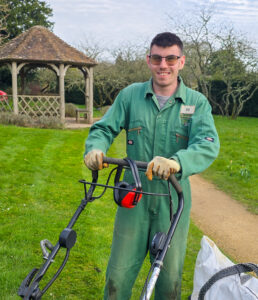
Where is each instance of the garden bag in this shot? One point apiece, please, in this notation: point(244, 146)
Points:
point(218, 278)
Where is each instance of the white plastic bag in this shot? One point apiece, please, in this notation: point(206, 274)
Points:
point(234, 287)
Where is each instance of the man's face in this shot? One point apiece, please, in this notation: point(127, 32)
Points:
point(164, 75)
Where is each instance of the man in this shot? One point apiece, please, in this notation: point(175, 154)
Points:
point(171, 127)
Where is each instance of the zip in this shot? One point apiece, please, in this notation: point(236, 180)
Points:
point(138, 129)
point(181, 137)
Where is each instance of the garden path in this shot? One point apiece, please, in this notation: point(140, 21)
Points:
point(225, 221)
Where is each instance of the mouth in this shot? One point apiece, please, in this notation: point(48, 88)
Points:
point(163, 74)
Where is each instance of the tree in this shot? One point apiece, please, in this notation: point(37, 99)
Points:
point(235, 64)
point(215, 52)
point(127, 65)
point(24, 14)
point(198, 35)
point(4, 12)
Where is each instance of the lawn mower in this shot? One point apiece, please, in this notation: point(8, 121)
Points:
point(125, 195)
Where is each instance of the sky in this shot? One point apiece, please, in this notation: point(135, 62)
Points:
point(115, 22)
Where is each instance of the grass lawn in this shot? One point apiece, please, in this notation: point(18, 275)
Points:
point(40, 192)
point(235, 171)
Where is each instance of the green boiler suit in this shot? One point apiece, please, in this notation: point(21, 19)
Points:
point(183, 130)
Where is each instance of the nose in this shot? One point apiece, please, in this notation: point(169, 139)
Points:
point(163, 63)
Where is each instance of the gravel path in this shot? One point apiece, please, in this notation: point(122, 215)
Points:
point(225, 221)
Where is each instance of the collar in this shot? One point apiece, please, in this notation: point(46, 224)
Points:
point(180, 93)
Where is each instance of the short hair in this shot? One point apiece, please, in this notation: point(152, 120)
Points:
point(167, 39)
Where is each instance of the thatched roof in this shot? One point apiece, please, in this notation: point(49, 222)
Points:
point(39, 45)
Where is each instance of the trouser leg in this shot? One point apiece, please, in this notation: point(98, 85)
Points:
point(129, 248)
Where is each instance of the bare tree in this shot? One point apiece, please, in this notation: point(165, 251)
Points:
point(199, 37)
point(92, 48)
point(236, 65)
point(214, 51)
point(125, 65)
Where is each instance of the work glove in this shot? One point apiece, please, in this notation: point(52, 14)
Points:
point(94, 160)
point(162, 167)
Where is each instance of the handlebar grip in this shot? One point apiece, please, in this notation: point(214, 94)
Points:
point(123, 163)
point(142, 165)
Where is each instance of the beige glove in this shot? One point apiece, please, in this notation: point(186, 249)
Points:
point(162, 167)
point(94, 160)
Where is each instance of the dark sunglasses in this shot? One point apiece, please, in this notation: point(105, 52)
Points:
point(156, 59)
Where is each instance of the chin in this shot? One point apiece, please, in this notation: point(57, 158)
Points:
point(163, 83)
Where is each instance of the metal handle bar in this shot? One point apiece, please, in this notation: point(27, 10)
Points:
point(158, 262)
point(141, 165)
point(29, 288)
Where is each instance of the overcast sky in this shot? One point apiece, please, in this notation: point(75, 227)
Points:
point(112, 22)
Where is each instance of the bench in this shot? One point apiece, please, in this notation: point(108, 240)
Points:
point(81, 110)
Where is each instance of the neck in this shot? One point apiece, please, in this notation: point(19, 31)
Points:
point(165, 90)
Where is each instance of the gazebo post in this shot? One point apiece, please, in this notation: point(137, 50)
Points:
point(87, 89)
point(62, 92)
point(87, 98)
point(22, 73)
point(14, 88)
point(91, 96)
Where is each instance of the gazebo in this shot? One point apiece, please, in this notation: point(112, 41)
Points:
point(39, 47)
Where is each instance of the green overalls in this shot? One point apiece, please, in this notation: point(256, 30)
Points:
point(183, 130)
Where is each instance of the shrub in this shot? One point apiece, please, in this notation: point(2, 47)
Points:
point(104, 109)
point(70, 110)
point(25, 121)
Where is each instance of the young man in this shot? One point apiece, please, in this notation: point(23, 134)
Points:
point(171, 127)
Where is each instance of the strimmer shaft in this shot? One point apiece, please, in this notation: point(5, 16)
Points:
point(151, 284)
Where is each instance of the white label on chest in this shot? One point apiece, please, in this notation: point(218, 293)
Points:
point(187, 109)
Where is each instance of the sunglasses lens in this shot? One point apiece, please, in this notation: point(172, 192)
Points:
point(171, 60)
point(155, 59)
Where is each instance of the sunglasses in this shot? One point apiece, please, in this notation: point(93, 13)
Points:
point(156, 59)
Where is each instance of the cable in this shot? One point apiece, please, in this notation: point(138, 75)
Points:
point(114, 187)
point(57, 273)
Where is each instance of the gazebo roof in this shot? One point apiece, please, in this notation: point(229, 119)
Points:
point(39, 45)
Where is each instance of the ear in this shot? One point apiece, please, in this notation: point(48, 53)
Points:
point(181, 62)
point(148, 59)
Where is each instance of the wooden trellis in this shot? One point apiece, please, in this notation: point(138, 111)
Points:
point(37, 106)
point(5, 104)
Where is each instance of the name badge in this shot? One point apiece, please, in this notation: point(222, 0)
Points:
point(186, 113)
point(187, 109)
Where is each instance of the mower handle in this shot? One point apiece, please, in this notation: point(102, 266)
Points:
point(141, 165)
point(158, 262)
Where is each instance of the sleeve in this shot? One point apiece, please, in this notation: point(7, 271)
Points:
point(203, 146)
point(103, 132)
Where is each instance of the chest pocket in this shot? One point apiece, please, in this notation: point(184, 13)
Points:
point(135, 141)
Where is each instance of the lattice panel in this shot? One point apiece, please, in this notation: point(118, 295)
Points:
point(6, 104)
point(37, 106)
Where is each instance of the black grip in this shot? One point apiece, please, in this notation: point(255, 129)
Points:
point(123, 162)
point(142, 165)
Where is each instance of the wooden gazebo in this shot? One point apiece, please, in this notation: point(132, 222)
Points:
point(39, 47)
